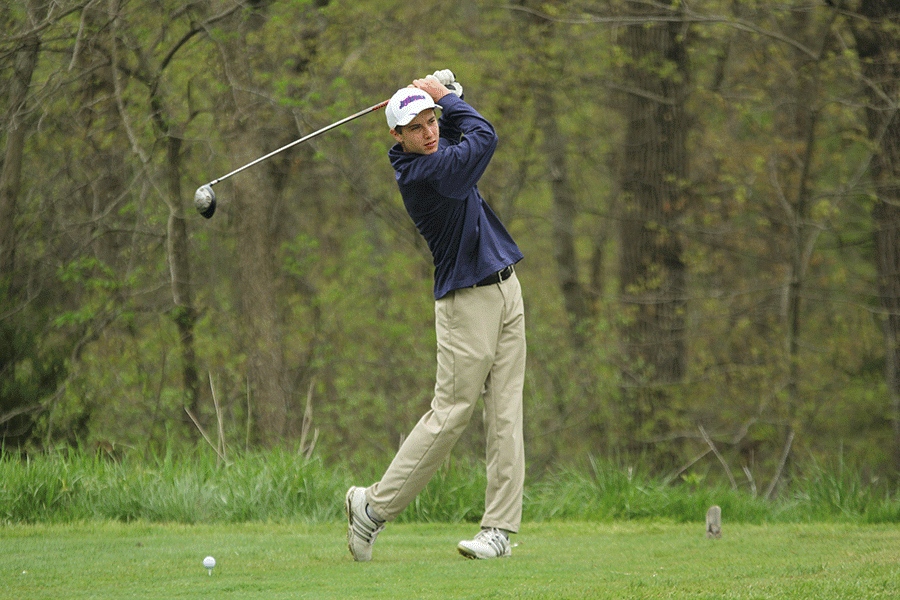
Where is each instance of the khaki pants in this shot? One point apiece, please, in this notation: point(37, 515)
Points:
point(480, 354)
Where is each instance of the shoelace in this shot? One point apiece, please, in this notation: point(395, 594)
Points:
point(493, 538)
point(364, 530)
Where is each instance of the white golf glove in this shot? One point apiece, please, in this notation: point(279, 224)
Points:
point(446, 78)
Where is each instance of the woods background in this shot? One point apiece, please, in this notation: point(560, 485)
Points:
point(707, 194)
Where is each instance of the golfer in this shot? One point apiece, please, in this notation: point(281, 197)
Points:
point(479, 317)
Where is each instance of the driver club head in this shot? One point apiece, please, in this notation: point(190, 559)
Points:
point(205, 201)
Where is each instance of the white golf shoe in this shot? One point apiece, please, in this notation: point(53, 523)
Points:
point(488, 543)
point(361, 529)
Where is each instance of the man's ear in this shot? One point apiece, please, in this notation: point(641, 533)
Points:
point(397, 136)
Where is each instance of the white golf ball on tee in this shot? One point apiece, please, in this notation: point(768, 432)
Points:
point(209, 562)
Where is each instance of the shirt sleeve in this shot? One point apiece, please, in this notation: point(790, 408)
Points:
point(456, 167)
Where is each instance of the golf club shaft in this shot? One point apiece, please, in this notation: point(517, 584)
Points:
point(303, 139)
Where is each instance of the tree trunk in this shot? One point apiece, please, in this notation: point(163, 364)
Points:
point(184, 313)
point(15, 418)
point(549, 58)
point(254, 202)
point(11, 175)
point(178, 250)
point(878, 46)
point(564, 212)
point(654, 171)
point(254, 205)
point(799, 127)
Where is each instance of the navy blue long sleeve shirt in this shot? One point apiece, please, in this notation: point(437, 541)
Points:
point(440, 192)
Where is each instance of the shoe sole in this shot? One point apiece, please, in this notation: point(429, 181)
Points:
point(472, 555)
point(348, 506)
point(349, 512)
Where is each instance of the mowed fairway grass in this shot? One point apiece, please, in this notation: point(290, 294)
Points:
point(551, 560)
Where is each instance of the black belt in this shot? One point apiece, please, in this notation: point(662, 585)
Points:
point(496, 277)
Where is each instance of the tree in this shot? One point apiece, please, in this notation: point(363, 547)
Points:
point(876, 29)
point(150, 70)
point(654, 171)
point(21, 397)
point(549, 57)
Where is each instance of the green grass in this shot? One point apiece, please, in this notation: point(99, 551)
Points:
point(193, 488)
point(552, 560)
point(79, 525)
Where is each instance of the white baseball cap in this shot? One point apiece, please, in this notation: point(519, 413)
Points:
point(405, 104)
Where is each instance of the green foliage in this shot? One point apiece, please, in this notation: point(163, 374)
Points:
point(96, 351)
point(32, 365)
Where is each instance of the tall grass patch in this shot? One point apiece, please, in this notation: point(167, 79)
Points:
point(269, 486)
point(607, 492)
point(280, 486)
point(841, 492)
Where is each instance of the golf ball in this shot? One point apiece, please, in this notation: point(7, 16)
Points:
point(209, 562)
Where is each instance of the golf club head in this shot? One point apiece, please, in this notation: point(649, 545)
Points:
point(205, 201)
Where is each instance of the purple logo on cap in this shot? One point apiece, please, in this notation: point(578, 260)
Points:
point(410, 99)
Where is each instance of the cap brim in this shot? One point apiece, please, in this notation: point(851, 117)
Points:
point(412, 116)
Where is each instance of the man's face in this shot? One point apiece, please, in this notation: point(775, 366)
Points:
point(421, 134)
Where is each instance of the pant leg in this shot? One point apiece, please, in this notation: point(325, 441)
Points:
point(505, 456)
point(467, 328)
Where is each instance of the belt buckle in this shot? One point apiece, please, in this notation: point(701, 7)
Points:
point(497, 277)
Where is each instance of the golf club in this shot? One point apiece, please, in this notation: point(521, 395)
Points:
point(205, 198)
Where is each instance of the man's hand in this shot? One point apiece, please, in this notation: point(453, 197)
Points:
point(448, 79)
point(432, 87)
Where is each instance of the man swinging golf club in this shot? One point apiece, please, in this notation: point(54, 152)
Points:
point(479, 317)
